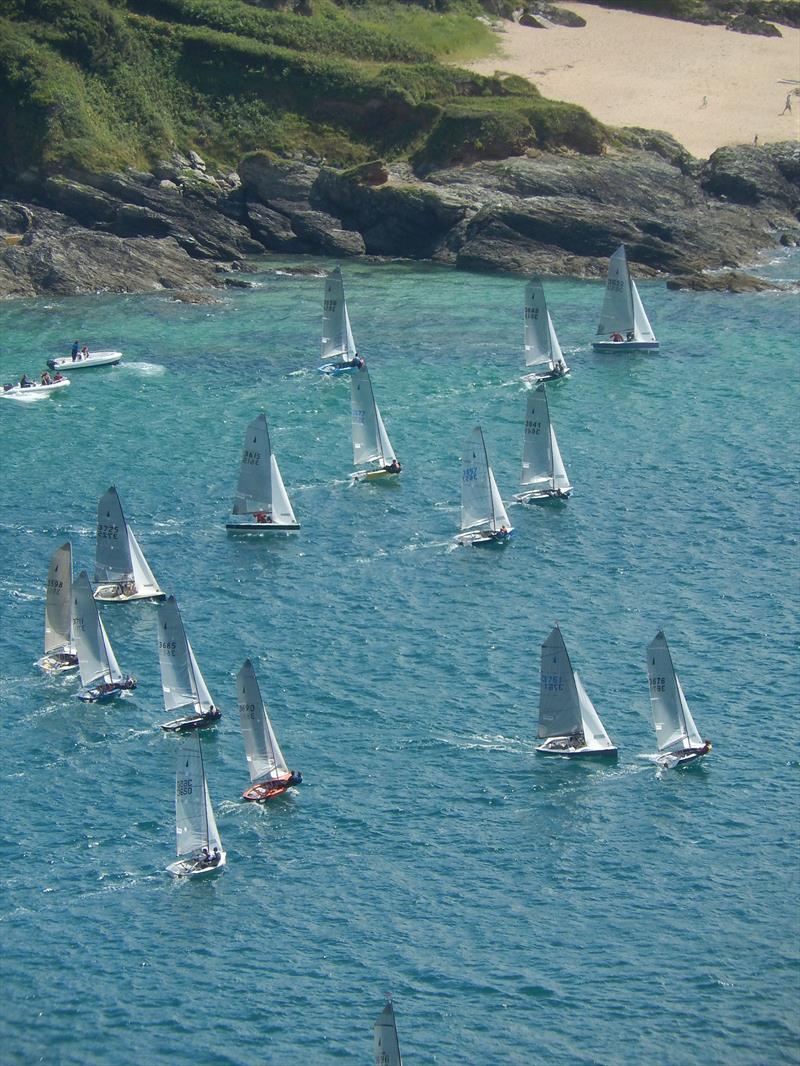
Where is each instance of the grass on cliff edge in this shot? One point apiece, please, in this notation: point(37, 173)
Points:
point(101, 84)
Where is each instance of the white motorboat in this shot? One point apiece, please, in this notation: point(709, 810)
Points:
point(83, 362)
point(33, 390)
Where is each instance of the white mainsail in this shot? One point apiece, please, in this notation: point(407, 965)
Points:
point(58, 603)
point(265, 759)
point(181, 680)
point(622, 312)
point(370, 440)
point(559, 703)
point(195, 825)
point(119, 558)
point(96, 659)
point(260, 487)
point(337, 336)
point(541, 342)
point(386, 1044)
point(481, 505)
point(674, 725)
point(542, 465)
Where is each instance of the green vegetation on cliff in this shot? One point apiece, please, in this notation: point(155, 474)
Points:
point(98, 84)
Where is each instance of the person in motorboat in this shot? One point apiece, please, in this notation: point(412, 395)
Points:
point(46, 379)
point(394, 467)
point(75, 350)
point(85, 352)
point(58, 376)
point(25, 382)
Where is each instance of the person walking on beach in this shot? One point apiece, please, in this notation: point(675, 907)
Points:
point(788, 105)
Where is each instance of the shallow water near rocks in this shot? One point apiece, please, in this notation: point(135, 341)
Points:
point(519, 909)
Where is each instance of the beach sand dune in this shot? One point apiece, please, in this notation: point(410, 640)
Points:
point(705, 85)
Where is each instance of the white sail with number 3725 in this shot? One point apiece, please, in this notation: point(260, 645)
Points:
point(121, 571)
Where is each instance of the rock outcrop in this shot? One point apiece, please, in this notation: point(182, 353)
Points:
point(545, 212)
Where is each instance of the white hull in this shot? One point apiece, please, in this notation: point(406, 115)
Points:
point(192, 867)
point(52, 664)
point(95, 359)
point(111, 594)
point(198, 720)
point(94, 695)
point(549, 375)
point(375, 475)
point(334, 371)
point(543, 496)
point(261, 527)
point(36, 391)
point(484, 538)
point(625, 346)
point(573, 753)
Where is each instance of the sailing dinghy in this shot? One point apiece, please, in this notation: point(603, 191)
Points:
point(181, 681)
point(679, 742)
point(199, 846)
point(101, 677)
point(483, 517)
point(66, 362)
point(261, 502)
point(121, 570)
point(386, 1044)
point(59, 647)
point(269, 774)
point(542, 349)
point(568, 722)
point(543, 474)
point(339, 355)
point(624, 325)
point(371, 444)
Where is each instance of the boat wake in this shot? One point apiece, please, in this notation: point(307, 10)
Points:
point(150, 369)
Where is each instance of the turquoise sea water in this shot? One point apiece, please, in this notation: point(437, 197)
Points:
point(520, 910)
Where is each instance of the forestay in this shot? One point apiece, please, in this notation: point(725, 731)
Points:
point(58, 602)
point(260, 488)
point(96, 659)
point(181, 680)
point(265, 759)
point(559, 702)
point(541, 342)
point(337, 336)
point(195, 825)
point(370, 440)
point(386, 1044)
point(674, 725)
point(481, 505)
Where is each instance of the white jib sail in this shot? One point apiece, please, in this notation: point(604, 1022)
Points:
point(500, 515)
point(195, 825)
point(143, 576)
point(370, 439)
point(281, 509)
point(674, 725)
point(537, 447)
point(96, 660)
point(559, 703)
point(264, 757)
point(617, 315)
point(181, 680)
point(593, 730)
point(541, 342)
point(58, 602)
point(113, 558)
point(337, 336)
point(386, 1044)
point(560, 479)
point(254, 488)
point(642, 330)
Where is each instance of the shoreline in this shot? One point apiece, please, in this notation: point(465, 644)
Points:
point(707, 86)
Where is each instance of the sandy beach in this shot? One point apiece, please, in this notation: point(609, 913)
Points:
point(705, 85)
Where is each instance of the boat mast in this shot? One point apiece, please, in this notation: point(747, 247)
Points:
point(377, 423)
point(552, 449)
point(205, 793)
point(681, 711)
point(488, 482)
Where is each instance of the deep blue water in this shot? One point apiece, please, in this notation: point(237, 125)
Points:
point(520, 910)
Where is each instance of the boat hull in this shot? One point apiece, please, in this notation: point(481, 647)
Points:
point(332, 371)
point(268, 790)
point(95, 695)
point(190, 722)
point(484, 539)
point(96, 359)
point(625, 346)
point(193, 868)
point(387, 476)
point(579, 753)
point(54, 664)
point(111, 594)
point(543, 496)
point(36, 391)
point(550, 376)
point(261, 527)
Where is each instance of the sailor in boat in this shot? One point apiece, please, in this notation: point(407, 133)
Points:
point(346, 364)
point(125, 588)
point(617, 338)
point(394, 467)
point(263, 518)
point(206, 859)
point(108, 687)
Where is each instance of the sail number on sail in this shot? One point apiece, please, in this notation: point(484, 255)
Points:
point(614, 285)
point(471, 473)
point(54, 584)
point(185, 787)
point(108, 532)
point(359, 416)
point(532, 428)
point(169, 647)
point(251, 458)
point(532, 314)
point(658, 684)
point(249, 709)
point(552, 683)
